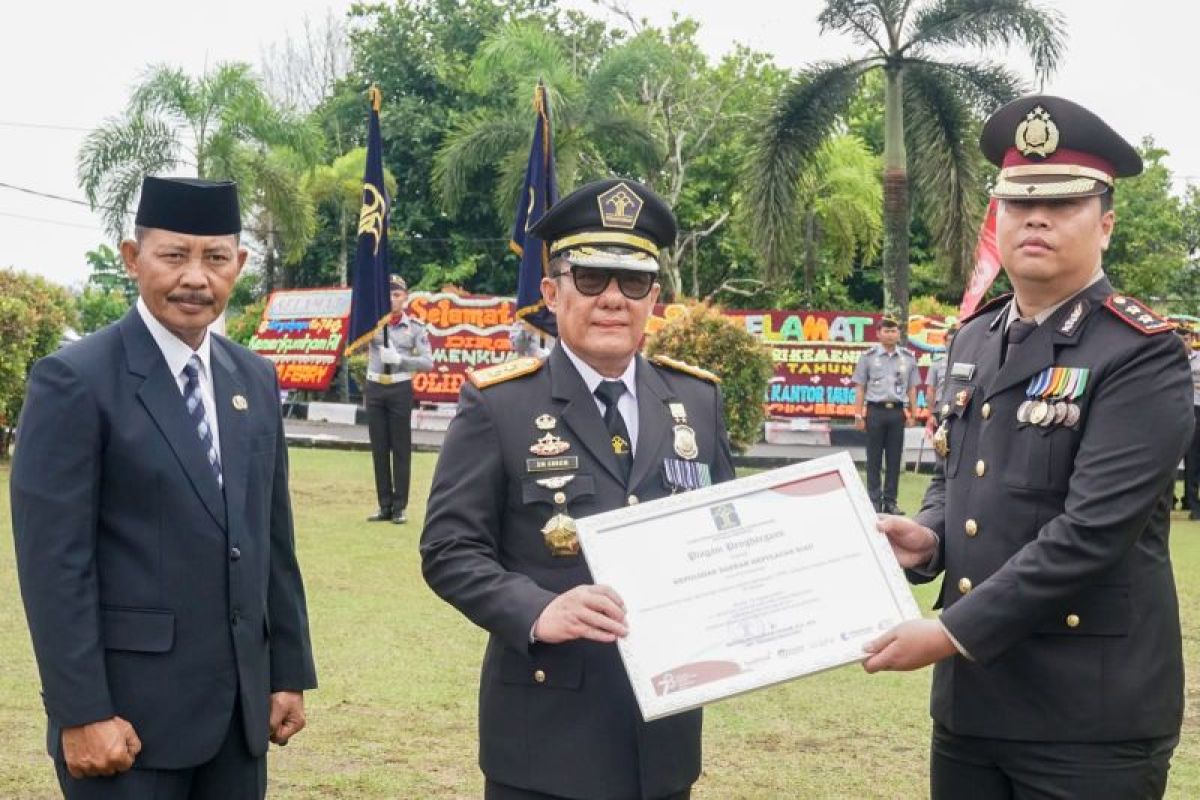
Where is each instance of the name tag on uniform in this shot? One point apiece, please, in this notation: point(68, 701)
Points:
point(963, 370)
point(551, 464)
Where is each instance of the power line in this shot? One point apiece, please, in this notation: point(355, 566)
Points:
point(43, 126)
point(49, 221)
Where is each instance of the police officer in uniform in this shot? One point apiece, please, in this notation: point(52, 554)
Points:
point(1059, 667)
point(538, 443)
point(937, 375)
point(1191, 482)
point(886, 380)
point(398, 349)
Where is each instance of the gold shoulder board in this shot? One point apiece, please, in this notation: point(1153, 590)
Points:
point(1137, 315)
point(683, 366)
point(490, 376)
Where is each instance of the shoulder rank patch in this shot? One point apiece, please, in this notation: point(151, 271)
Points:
point(990, 305)
point(490, 376)
point(683, 366)
point(1136, 315)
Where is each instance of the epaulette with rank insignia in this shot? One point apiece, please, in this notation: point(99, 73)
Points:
point(684, 367)
point(994, 303)
point(490, 376)
point(1136, 315)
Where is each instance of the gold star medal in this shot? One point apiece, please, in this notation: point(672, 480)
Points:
point(561, 536)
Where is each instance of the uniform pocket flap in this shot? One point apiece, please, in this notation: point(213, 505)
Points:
point(552, 666)
point(142, 630)
point(544, 489)
point(1099, 611)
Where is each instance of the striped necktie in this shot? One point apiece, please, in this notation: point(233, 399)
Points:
point(195, 408)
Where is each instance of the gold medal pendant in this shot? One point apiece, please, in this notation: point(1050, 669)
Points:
point(561, 536)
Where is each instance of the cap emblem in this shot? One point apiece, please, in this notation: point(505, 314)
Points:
point(619, 207)
point(1037, 135)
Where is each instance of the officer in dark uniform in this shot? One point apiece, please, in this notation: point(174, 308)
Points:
point(1191, 472)
point(537, 443)
point(1059, 668)
point(398, 349)
point(885, 381)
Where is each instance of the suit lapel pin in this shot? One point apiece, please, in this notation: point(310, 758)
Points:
point(239, 402)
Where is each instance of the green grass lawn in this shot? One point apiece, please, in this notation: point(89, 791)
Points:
point(395, 715)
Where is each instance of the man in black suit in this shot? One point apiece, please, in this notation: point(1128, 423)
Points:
point(1059, 666)
point(537, 443)
point(154, 531)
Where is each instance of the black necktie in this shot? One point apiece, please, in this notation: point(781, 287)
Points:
point(1018, 332)
point(609, 393)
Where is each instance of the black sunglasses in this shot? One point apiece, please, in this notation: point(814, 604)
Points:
point(592, 281)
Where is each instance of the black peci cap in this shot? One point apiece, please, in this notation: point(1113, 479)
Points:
point(1048, 147)
point(614, 223)
point(189, 205)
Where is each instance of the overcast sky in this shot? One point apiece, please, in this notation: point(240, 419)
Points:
point(67, 67)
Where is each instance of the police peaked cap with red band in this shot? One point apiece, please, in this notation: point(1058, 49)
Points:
point(1049, 147)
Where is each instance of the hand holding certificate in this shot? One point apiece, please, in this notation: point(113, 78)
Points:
point(748, 583)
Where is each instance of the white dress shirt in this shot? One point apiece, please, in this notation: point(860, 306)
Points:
point(177, 353)
point(627, 405)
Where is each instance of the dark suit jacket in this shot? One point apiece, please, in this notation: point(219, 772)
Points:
point(152, 594)
point(577, 732)
point(1071, 616)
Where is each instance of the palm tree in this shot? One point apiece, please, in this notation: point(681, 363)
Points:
point(596, 132)
point(220, 125)
point(931, 108)
point(340, 186)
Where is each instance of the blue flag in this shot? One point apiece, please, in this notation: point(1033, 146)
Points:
point(370, 298)
point(537, 195)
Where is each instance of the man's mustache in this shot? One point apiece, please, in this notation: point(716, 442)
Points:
point(193, 298)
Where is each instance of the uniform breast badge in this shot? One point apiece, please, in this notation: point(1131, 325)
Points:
point(559, 533)
point(685, 437)
point(549, 445)
point(545, 422)
point(1051, 397)
point(683, 476)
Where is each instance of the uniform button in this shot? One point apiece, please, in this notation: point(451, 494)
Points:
point(972, 527)
point(235, 553)
point(539, 676)
point(945, 408)
point(633, 500)
point(964, 585)
point(986, 410)
point(234, 617)
point(560, 497)
point(980, 467)
point(1072, 620)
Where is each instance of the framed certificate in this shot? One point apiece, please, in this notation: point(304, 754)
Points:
point(746, 584)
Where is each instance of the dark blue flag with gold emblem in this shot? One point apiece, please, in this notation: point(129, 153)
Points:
point(370, 298)
point(538, 194)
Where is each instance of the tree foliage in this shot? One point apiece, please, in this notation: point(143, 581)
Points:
point(1148, 248)
point(705, 337)
point(34, 314)
point(932, 102)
